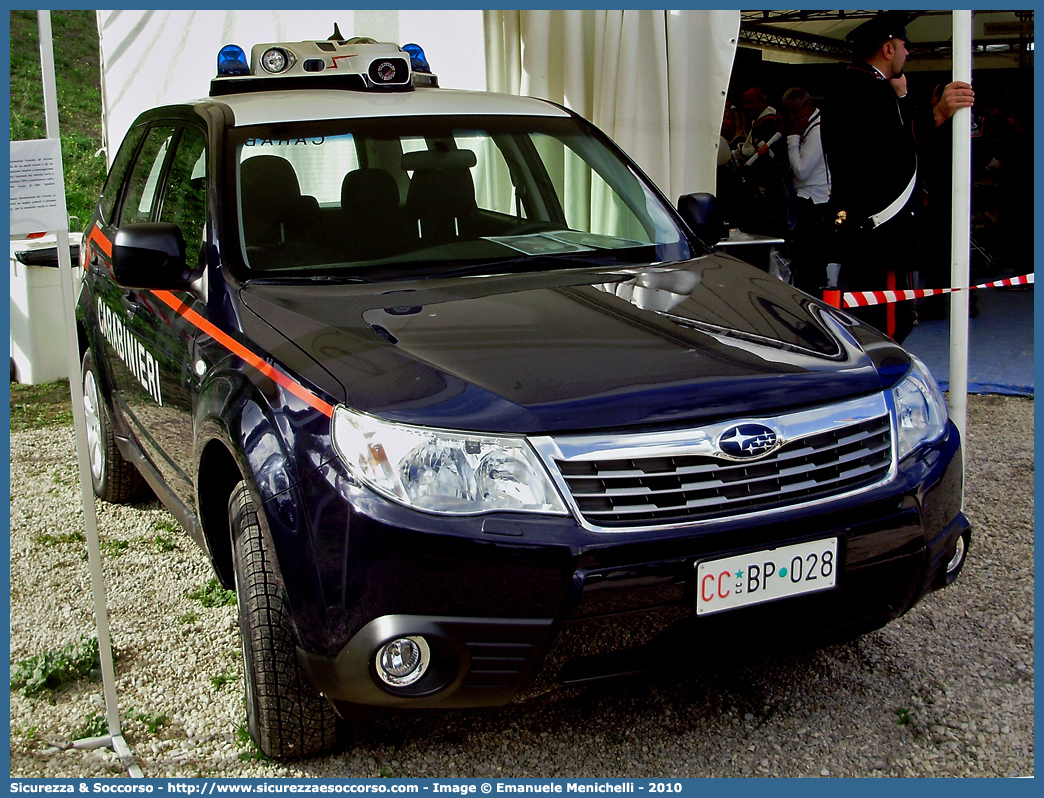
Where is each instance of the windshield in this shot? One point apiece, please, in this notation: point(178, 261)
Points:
point(407, 195)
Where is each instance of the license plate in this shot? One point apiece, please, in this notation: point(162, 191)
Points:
point(765, 576)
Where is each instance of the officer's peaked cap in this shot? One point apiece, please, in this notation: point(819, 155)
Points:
point(880, 29)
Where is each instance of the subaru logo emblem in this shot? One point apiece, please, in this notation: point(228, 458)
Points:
point(747, 440)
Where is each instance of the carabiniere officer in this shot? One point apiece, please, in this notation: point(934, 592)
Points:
point(873, 134)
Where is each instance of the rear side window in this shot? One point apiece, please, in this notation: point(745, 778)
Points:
point(143, 185)
point(124, 157)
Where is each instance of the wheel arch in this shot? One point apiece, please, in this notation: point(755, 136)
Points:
point(241, 437)
point(219, 473)
point(82, 341)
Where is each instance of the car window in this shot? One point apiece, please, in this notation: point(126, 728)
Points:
point(185, 199)
point(123, 160)
point(589, 202)
point(492, 178)
point(432, 193)
point(490, 174)
point(144, 179)
point(320, 162)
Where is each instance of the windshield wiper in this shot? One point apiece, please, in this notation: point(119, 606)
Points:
point(528, 262)
point(309, 278)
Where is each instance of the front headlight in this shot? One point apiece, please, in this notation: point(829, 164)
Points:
point(443, 471)
point(920, 409)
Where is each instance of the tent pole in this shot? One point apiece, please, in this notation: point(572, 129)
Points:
point(90, 518)
point(960, 227)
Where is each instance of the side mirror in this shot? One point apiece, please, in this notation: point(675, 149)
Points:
point(704, 216)
point(150, 255)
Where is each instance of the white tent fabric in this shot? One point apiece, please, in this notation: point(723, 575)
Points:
point(654, 81)
point(152, 58)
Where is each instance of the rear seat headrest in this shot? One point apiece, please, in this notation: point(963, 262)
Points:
point(369, 190)
point(262, 174)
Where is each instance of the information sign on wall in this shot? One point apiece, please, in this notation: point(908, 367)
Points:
point(37, 187)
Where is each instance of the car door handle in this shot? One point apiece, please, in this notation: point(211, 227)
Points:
point(130, 303)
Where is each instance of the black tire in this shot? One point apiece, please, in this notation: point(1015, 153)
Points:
point(286, 715)
point(113, 478)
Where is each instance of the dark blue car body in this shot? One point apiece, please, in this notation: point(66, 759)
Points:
point(245, 372)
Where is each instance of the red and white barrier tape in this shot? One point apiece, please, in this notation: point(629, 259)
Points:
point(861, 299)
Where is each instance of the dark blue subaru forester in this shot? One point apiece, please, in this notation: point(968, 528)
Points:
point(461, 405)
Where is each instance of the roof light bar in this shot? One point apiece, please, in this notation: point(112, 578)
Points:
point(359, 63)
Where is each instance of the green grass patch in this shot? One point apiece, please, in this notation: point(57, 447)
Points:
point(28, 734)
point(51, 671)
point(228, 677)
point(95, 724)
point(170, 527)
point(46, 539)
point(253, 753)
point(40, 406)
point(151, 721)
point(165, 544)
point(114, 547)
point(78, 78)
point(188, 617)
point(213, 595)
point(169, 532)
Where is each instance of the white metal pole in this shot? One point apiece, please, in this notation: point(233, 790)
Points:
point(90, 518)
point(960, 243)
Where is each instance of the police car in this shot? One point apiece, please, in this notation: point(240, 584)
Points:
point(462, 406)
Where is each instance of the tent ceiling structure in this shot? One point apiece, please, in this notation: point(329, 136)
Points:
point(999, 38)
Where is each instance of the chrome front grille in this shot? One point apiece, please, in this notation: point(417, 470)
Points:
point(682, 477)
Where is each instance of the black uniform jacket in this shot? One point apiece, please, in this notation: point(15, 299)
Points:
point(869, 140)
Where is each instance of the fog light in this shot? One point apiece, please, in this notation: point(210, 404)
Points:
point(958, 556)
point(403, 661)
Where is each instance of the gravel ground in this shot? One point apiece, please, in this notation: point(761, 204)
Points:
point(946, 690)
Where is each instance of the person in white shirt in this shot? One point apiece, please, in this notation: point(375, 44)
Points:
point(811, 180)
point(766, 209)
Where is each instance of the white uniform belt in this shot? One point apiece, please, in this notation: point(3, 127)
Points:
point(878, 219)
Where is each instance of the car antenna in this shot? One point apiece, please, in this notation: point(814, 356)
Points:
point(337, 37)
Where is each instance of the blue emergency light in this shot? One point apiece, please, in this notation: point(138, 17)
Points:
point(232, 61)
point(418, 63)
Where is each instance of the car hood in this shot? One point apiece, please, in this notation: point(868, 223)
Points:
point(570, 350)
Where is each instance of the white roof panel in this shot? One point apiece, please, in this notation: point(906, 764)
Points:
point(272, 107)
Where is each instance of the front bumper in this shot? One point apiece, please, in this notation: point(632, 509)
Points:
point(510, 604)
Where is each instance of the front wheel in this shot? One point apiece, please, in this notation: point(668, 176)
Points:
point(286, 715)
